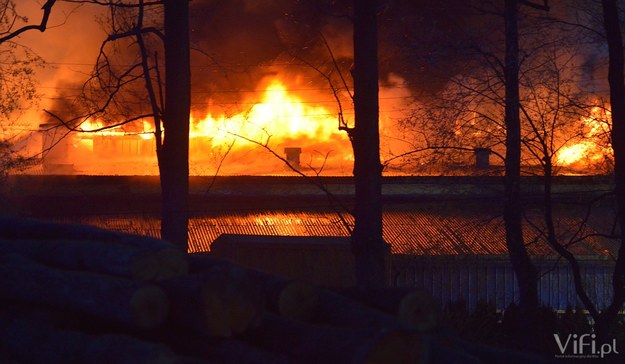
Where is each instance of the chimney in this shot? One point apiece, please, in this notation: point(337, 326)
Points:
point(482, 158)
point(292, 155)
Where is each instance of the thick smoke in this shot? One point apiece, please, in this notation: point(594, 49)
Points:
point(240, 41)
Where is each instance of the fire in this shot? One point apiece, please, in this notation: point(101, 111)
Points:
point(589, 151)
point(225, 143)
point(278, 115)
point(97, 127)
point(577, 153)
point(277, 120)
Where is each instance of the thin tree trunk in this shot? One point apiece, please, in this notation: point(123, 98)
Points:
point(174, 155)
point(521, 263)
point(555, 244)
point(369, 248)
point(617, 102)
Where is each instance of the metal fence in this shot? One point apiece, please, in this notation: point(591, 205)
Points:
point(491, 279)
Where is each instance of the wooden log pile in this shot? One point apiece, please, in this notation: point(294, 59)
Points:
point(78, 294)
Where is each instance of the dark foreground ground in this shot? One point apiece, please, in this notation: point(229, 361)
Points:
point(80, 198)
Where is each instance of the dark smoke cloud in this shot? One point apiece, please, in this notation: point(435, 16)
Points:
point(237, 43)
point(240, 39)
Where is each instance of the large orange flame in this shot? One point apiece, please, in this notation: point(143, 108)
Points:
point(241, 143)
point(278, 114)
point(278, 120)
point(593, 149)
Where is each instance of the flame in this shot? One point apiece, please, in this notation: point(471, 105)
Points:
point(577, 153)
point(96, 127)
point(278, 115)
point(590, 150)
point(278, 119)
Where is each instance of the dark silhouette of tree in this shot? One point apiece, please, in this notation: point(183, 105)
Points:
point(9, 17)
point(173, 155)
point(112, 93)
point(614, 39)
point(368, 245)
point(525, 270)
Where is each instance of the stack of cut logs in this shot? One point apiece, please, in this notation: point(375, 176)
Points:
point(78, 294)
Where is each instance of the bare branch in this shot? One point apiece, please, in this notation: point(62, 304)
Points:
point(336, 66)
point(117, 4)
point(219, 165)
point(47, 9)
point(312, 180)
point(544, 6)
point(70, 127)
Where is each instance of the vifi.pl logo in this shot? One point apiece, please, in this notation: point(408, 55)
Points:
point(583, 346)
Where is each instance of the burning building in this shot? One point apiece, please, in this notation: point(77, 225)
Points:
point(266, 82)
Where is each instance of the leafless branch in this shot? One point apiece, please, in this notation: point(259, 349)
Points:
point(116, 4)
point(336, 66)
point(544, 6)
point(219, 165)
point(69, 124)
point(47, 9)
point(312, 180)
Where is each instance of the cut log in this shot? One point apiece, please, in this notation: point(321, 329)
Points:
point(319, 260)
point(338, 310)
point(5, 356)
point(413, 306)
point(341, 311)
point(307, 343)
point(95, 256)
point(238, 352)
point(292, 299)
point(33, 342)
point(127, 302)
point(220, 350)
point(447, 341)
point(22, 228)
point(188, 360)
point(173, 263)
point(173, 260)
point(287, 297)
point(218, 302)
point(443, 351)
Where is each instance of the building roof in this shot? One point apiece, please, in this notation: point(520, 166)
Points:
point(417, 232)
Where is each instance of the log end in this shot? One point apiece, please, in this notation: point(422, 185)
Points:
point(397, 347)
point(420, 309)
point(126, 350)
point(298, 300)
point(145, 267)
point(215, 321)
point(173, 263)
point(149, 307)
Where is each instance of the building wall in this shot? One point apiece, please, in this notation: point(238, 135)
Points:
point(491, 279)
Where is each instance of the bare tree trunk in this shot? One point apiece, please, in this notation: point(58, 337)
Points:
point(617, 101)
point(523, 267)
point(552, 240)
point(174, 155)
point(368, 246)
